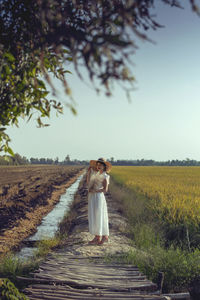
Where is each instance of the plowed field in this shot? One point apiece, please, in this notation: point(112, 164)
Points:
point(26, 194)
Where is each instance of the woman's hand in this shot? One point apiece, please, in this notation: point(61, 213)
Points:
point(99, 191)
point(95, 191)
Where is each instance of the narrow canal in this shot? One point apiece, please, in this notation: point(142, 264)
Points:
point(49, 225)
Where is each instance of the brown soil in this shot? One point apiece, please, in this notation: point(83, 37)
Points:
point(27, 193)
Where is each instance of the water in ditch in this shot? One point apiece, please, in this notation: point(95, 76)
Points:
point(50, 222)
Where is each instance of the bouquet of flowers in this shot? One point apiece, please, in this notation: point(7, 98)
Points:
point(95, 182)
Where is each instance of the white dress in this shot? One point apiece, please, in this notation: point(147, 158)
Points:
point(97, 206)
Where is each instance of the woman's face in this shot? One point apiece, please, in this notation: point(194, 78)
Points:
point(100, 167)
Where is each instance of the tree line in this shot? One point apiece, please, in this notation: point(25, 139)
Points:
point(17, 159)
point(150, 162)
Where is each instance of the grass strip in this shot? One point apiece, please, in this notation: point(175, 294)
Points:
point(180, 266)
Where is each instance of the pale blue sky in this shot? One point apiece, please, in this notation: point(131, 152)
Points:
point(163, 120)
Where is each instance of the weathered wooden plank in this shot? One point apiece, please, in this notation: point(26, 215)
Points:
point(89, 268)
point(144, 286)
point(68, 255)
point(115, 287)
point(87, 274)
point(93, 279)
point(90, 279)
point(81, 297)
point(96, 295)
point(86, 262)
point(91, 294)
point(62, 293)
point(100, 266)
point(66, 287)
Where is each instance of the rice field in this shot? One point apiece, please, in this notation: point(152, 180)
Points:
point(172, 192)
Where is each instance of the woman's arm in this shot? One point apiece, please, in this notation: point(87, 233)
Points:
point(88, 175)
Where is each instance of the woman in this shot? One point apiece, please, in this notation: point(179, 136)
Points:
point(98, 180)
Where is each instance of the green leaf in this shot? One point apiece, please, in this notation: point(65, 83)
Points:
point(66, 51)
point(7, 69)
point(34, 72)
point(29, 117)
point(67, 71)
point(44, 94)
point(9, 56)
point(41, 84)
point(10, 151)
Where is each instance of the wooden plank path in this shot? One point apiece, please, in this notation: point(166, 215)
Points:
point(69, 277)
point(78, 270)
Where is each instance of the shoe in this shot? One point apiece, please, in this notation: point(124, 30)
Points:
point(104, 240)
point(95, 241)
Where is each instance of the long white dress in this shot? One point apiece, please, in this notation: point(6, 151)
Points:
point(97, 206)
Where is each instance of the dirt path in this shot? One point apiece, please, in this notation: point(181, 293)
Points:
point(77, 243)
point(77, 270)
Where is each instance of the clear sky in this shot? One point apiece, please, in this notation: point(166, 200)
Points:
point(163, 119)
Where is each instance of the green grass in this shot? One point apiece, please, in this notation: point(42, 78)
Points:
point(179, 267)
point(154, 252)
point(45, 246)
point(12, 266)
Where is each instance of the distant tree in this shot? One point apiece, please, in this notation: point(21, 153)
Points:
point(112, 160)
point(75, 162)
point(39, 37)
point(67, 159)
point(17, 159)
point(34, 160)
point(5, 160)
point(42, 160)
point(56, 161)
point(49, 161)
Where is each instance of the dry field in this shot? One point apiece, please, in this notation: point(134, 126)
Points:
point(25, 195)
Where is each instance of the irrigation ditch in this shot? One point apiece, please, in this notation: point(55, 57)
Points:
point(49, 225)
